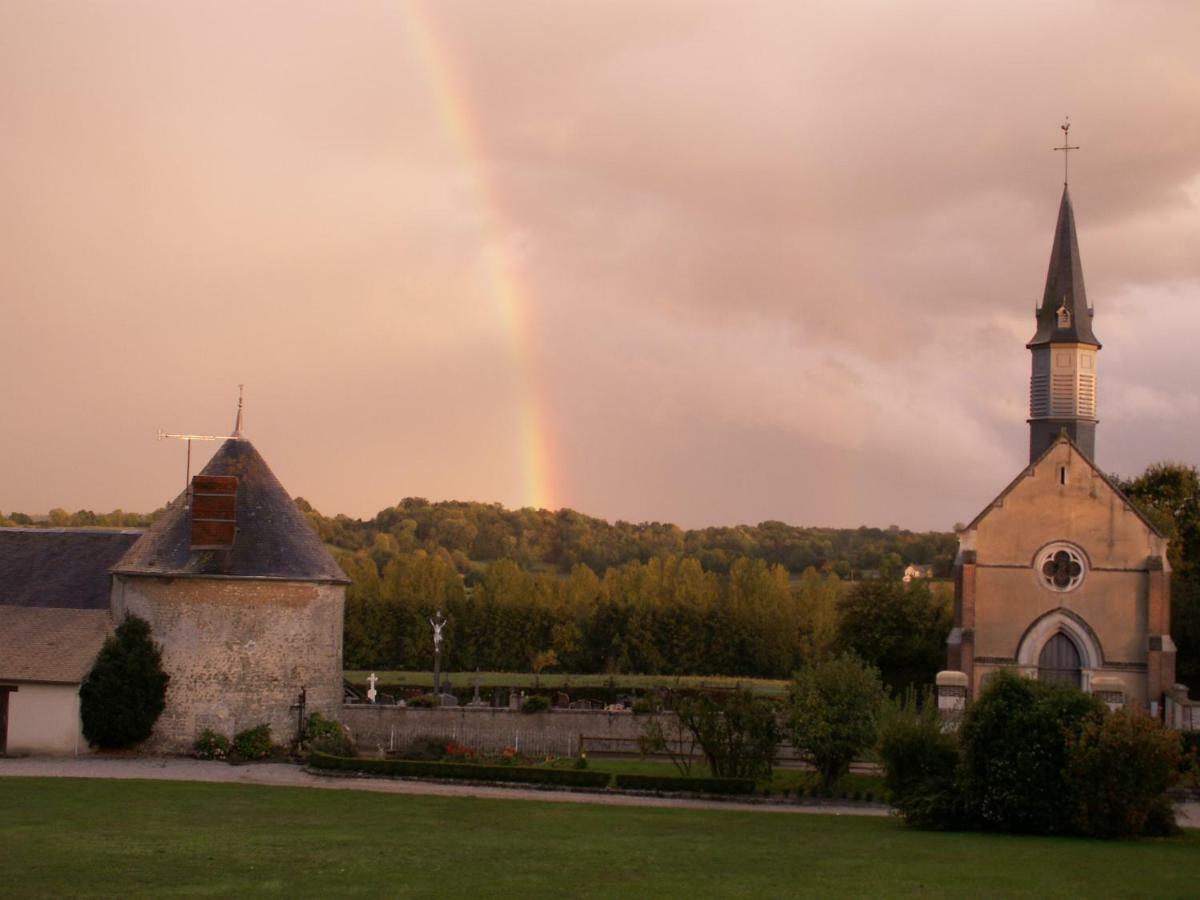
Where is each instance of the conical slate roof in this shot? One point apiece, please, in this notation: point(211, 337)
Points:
point(273, 539)
point(1064, 287)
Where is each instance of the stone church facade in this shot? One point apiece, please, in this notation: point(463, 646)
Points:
point(1061, 577)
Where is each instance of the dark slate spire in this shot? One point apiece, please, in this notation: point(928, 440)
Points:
point(273, 539)
point(1064, 316)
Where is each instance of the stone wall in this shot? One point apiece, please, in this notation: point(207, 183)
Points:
point(377, 728)
point(238, 651)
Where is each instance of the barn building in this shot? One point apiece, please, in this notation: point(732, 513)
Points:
point(240, 593)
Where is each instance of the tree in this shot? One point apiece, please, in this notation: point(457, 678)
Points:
point(899, 628)
point(833, 713)
point(1169, 495)
point(736, 732)
point(1014, 744)
point(1119, 768)
point(125, 693)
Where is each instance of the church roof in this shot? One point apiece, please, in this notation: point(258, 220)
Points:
point(60, 567)
point(51, 645)
point(272, 540)
point(1063, 439)
point(1064, 287)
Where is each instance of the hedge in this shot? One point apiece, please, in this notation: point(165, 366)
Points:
point(413, 768)
point(680, 783)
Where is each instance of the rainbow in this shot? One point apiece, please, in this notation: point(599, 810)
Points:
point(509, 295)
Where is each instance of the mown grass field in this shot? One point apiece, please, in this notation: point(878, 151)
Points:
point(90, 838)
point(465, 681)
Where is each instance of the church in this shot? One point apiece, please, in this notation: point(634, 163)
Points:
point(1060, 576)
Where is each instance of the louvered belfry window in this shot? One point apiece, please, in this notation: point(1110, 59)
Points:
point(214, 511)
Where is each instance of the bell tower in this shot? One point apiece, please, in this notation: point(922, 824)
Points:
point(1062, 389)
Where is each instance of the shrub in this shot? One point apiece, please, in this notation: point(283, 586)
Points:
point(425, 747)
point(125, 693)
point(1119, 769)
point(737, 732)
point(833, 713)
point(466, 771)
point(210, 745)
point(253, 743)
point(920, 760)
point(644, 706)
point(1014, 753)
point(535, 704)
point(676, 783)
point(323, 735)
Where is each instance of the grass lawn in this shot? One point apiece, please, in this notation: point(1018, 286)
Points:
point(67, 837)
point(464, 681)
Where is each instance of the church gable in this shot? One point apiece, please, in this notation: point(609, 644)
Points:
point(1063, 498)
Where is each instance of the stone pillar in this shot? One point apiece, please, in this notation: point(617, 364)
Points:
point(952, 693)
point(1160, 650)
point(960, 647)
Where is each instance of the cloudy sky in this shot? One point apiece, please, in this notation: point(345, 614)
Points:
point(705, 263)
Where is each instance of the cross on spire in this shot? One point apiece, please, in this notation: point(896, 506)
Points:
point(1066, 148)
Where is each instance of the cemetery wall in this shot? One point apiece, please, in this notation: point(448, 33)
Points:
point(377, 728)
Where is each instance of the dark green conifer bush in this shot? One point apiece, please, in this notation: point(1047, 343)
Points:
point(125, 693)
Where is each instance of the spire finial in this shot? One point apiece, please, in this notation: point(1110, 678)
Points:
point(1066, 148)
point(237, 425)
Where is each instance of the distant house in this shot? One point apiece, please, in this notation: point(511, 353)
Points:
point(54, 617)
point(912, 570)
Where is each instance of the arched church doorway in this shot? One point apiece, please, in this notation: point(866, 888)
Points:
point(1060, 661)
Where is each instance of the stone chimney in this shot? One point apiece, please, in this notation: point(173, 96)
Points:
point(214, 511)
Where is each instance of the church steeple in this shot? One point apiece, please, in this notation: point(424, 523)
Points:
point(1064, 316)
point(1062, 390)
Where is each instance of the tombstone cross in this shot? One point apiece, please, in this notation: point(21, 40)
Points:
point(371, 692)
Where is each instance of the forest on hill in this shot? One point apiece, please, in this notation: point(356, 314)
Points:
point(538, 539)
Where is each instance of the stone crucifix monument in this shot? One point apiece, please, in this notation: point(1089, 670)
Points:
point(371, 692)
point(438, 622)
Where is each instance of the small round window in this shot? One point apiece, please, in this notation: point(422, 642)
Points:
point(1061, 567)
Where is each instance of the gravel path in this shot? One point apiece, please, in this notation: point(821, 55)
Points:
point(176, 768)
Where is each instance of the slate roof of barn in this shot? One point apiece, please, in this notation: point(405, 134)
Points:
point(273, 538)
point(51, 645)
point(60, 567)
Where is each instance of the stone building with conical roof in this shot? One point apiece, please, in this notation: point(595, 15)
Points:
point(244, 599)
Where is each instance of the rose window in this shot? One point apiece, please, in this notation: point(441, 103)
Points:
point(1062, 568)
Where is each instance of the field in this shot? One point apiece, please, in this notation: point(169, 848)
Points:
point(79, 838)
point(465, 681)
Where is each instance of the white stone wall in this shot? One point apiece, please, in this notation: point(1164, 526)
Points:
point(238, 651)
point(44, 718)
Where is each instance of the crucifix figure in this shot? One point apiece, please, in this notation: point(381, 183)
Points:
point(438, 621)
point(371, 693)
point(1066, 148)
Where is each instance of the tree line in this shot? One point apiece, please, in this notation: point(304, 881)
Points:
point(667, 616)
point(476, 534)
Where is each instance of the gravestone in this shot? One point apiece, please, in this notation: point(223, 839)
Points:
point(561, 700)
point(445, 699)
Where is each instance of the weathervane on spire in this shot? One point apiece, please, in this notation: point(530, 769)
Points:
point(1066, 148)
point(237, 425)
